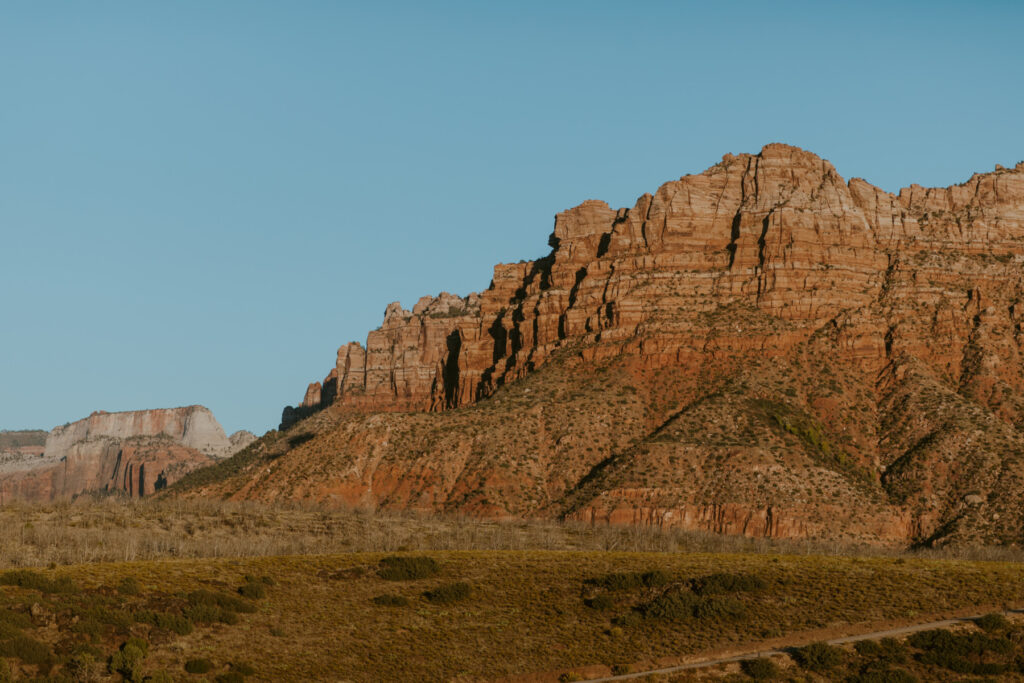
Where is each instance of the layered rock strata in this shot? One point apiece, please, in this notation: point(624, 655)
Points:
point(802, 353)
point(135, 453)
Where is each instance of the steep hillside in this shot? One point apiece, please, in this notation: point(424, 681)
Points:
point(762, 349)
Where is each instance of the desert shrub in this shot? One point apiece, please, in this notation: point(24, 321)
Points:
point(618, 581)
point(407, 568)
point(176, 623)
point(9, 631)
point(15, 619)
point(243, 668)
point(886, 650)
point(159, 677)
point(884, 676)
point(620, 669)
point(673, 605)
point(127, 661)
point(631, 618)
point(968, 644)
point(818, 657)
point(26, 578)
point(209, 614)
point(102, 614)
point(992, 622)
point(265, 580)
point(222, 600)
point(391, 600)
point(448, 593)
point(727, 583)
point(761, 669)
point(83, 666)
point(599, 602)
point(229, 677)
point(959, 663)
point(198, 666)
point(129, 585)
point(253, 590)
point(28, 650)
point(713, 607)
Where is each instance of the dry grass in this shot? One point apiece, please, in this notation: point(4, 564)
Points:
point(119, 530)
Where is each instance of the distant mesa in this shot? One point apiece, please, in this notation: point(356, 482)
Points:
point(135, 453)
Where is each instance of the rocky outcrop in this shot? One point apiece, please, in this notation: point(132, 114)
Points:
point(135, 453)
point(829, 340)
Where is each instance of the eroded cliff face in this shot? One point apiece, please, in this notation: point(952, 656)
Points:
point(800, 356)
point(135, 453)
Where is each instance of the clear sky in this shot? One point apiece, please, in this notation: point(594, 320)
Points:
point(200, 201)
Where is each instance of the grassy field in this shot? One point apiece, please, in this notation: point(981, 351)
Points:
point(461, 616)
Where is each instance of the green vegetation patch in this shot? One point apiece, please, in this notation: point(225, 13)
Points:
point(26, 578)
point(407, 567)
point(449, 593)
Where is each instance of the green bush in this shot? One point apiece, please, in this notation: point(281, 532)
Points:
point(127, 661)
point(884, 676)
point(599, 602)
point(265, 580)
point(761, 669)
point(253, 590)
point(25, 578)
point(965, 644)
point(618, 581)
point(15, 619)
point(448, 593)
point(104, 614)
point(28, 650)
point(886, 650)
point(391, 600)
point(727, 583)
point(714, 607)
point(222, 600)
point(198, 666)
point(992, 622)
point(8, 631)
point(672, 605)
point(632, 618)
point(818, 657)
point(129, 586)
point(229, 677)
point(407, 568)
point(176, 623)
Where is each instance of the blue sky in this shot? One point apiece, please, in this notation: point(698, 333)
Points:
point(199, 202)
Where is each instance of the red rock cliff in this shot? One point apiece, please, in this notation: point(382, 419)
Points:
point(762, 348)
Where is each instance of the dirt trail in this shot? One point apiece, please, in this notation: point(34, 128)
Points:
point(873, 635)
